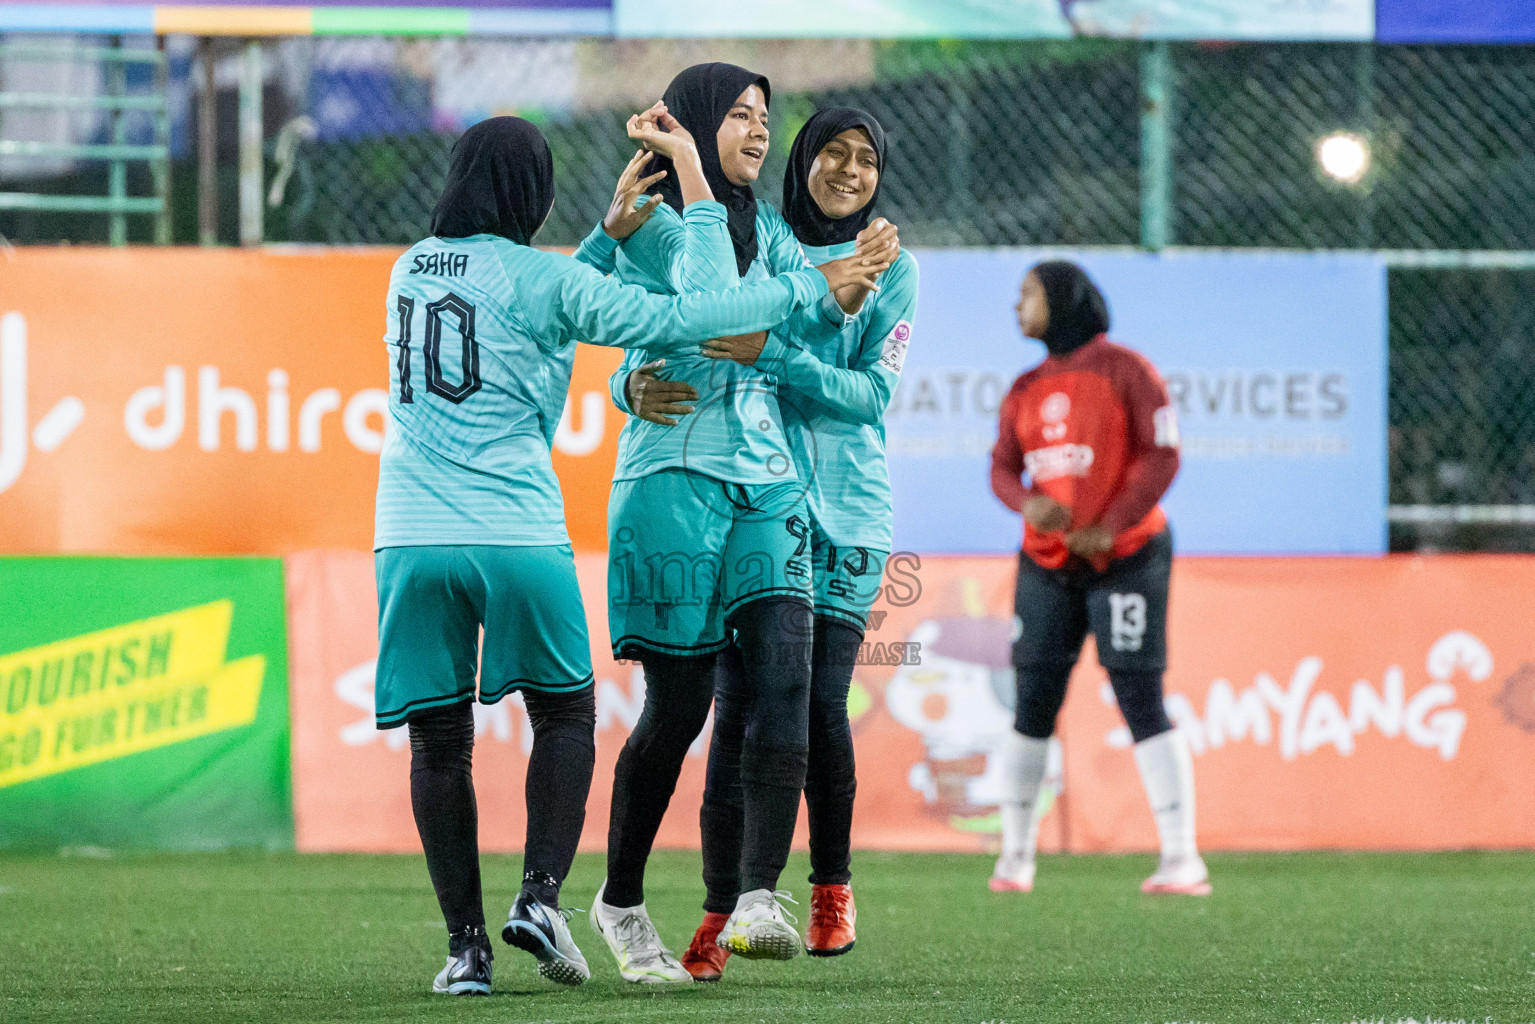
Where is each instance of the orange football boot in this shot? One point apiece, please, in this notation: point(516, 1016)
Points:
point(832, 914)
point(705, 960)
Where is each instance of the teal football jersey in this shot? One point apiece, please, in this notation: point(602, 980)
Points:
point(481, 338)
point(736, 433)
point(836, 378)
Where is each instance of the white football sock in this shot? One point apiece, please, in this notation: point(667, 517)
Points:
point(1023, 764)
point(1167, 772)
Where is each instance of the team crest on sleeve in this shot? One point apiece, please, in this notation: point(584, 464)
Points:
point(1164, 423)
point(893, 357)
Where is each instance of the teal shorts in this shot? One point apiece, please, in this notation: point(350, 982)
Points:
point(848, 580)
point(686, 550)
point(432, 604)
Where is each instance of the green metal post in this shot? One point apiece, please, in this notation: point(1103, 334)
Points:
point(1156, 146)
point(117, 170)
point(250, 144)
point(207, 148)
point(160, 169)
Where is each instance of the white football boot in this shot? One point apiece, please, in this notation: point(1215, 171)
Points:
point(1185, 877)
point(1014, 873)
point(1025, 763)
point(636, 945)
point(760, 928)
point(1167, 770)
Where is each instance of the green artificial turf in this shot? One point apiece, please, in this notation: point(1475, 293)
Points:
point(1298, 937)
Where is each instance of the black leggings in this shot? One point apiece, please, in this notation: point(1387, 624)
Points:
point(830, 783)
point(442, 798)
point(1042, 689)
point(678, 692)
point(774, 638)
point(1124, 606)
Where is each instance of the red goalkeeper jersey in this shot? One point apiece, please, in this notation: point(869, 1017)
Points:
point(1096, 431)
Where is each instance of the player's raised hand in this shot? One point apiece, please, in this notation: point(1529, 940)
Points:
point(660, 132)
point(880, 241)
point(658, 401)
point(743, 348)
point(852, 271)
point(1045, 514)
point(625, 214)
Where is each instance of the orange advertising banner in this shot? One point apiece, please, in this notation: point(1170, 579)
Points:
point(1348, 703)
point(1355, 703)
point(186, 401)
point(351, 781)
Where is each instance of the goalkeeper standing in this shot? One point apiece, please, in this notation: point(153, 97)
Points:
point(1093, 431)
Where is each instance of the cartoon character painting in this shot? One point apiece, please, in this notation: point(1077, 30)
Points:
point(959, 699)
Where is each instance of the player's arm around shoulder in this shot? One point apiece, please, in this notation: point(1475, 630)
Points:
point(572, 302)
point(559, 301)
point(686, 252)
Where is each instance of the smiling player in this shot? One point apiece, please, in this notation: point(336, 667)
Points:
point(706, 524)
point(837, 374)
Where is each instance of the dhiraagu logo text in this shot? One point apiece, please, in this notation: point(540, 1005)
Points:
point(118, 691)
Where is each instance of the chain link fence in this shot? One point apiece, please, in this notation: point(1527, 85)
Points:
point(995, 144)
point(1034, 144)
point(1462, 408)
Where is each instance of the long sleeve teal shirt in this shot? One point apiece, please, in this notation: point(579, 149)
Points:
point(481, 337)
point(836, 380)
point(736, 433)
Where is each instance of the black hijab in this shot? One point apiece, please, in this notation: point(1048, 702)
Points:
point(1078, 313)
point(811, 226)
point(699, 98)
point(500, 182)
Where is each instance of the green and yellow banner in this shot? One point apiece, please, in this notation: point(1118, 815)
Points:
point(143, 703)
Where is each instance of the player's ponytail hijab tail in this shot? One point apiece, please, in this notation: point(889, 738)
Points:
point(1078, 313)
point(500, 182)
point(699, 98)
point(811, 226)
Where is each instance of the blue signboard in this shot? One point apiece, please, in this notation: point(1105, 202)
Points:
point(1435, 21)
point(1276, 364)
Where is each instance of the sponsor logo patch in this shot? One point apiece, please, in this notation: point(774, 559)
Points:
point(1165, 424)
point(1058, 460)
point(893, 357)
